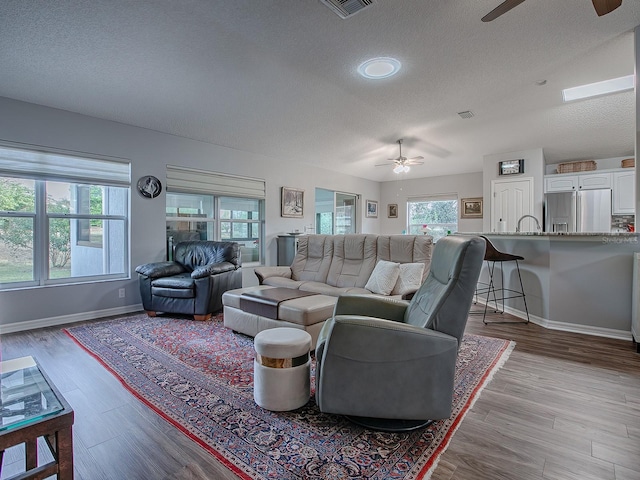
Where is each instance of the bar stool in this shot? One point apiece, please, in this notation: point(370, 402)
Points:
point(492, 256)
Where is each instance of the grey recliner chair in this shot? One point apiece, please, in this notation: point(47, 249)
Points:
point(390, 364)
point(194, 282)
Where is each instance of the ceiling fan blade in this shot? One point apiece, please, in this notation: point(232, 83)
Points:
point(605, 6)
point(419, 157)
point(411, 163)
point(501, 9)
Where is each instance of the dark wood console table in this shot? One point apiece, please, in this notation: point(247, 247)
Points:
point(32, 407)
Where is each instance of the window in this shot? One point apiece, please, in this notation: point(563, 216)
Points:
point(62, 218)
point(193, 217)
point(204, 205)
point(335, 212)
point(435, 216)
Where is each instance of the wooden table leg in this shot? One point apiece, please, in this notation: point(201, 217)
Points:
point(64, 442)
point(31, 452)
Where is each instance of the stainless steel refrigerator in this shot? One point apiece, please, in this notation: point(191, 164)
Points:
point(582, 211)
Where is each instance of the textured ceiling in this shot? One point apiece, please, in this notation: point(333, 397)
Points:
point(278, 77)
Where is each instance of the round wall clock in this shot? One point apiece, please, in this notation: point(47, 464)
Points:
point(149, 186)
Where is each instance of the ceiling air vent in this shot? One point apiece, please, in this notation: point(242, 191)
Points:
point(346, 8)
point(466, 114)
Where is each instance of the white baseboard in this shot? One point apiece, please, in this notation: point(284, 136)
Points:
point(65, 319)
point(570, 327)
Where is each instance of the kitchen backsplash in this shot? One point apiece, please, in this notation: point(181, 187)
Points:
point(621, 222)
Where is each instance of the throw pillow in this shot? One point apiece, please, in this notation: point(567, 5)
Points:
point(383, 278)
point(410, 278)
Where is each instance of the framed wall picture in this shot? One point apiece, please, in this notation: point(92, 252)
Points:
point(392, 210)
point(292, 202)
point(471, 207)
point(511, 167)
point(371, 209)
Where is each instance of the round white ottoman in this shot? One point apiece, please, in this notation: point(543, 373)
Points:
point(282, 369)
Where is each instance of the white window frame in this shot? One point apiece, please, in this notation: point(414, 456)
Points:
point(43, 164)
point(216, 221)
point(452, 197)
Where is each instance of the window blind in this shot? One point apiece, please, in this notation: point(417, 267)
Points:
point(433, 198)
point(187, 180)
point(45, 165)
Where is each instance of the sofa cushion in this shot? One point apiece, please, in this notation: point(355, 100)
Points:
point(354, 258)
point(406, 249)
point(313, 258)
point(324, 289)
point(282, 282)
point(176, 286)
point(197, 254)
point(410, 278)
point(384, 277)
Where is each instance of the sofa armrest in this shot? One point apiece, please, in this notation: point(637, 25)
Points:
point(266, 272)
point(371, 306)
point(160, 269)
point(213, 269)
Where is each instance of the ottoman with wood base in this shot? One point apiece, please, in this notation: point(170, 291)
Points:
point(282, 369)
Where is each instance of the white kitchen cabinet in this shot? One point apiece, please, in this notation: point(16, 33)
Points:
point(573, 182)
point(594, 180)
point(624, 192)
point(560, 183)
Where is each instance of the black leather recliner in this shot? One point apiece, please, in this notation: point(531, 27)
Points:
point(194, 282)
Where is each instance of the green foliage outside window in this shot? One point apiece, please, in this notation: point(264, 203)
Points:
point(439, 216)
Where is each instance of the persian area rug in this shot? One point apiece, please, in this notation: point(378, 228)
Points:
point(199, 377)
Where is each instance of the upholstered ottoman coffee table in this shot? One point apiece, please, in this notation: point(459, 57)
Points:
point(282, 369)
point(251, 310)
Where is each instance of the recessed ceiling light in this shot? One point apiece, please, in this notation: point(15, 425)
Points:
point(381, 67)
point(599, 88)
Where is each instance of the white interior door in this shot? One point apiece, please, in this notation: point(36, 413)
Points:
point(511, 199)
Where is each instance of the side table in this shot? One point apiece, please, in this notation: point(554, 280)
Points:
point(32, 407)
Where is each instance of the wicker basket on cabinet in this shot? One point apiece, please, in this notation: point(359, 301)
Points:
point(582, 166)
point(629, 163)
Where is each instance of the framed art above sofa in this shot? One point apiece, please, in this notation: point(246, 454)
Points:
point(292, 202)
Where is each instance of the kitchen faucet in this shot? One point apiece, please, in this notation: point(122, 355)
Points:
point(530, 216)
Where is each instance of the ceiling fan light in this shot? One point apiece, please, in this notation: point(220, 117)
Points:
point(398, 169)
point(405, 168)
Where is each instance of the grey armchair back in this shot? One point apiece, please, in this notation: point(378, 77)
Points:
point(442, 303)
point(194, 282)
point(390, 364)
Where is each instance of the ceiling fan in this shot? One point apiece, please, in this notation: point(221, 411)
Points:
point(401, 163)
point(602, 8)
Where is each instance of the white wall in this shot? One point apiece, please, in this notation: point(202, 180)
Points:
point(533, 167)
point(464, 186)
point(149, 152)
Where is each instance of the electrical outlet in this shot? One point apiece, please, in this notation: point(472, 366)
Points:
point(121, 293)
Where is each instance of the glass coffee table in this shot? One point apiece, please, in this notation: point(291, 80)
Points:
point(32, 407)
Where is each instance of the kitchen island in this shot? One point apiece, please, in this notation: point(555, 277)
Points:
point(579, 282)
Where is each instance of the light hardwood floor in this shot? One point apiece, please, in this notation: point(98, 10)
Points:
point(564, 406)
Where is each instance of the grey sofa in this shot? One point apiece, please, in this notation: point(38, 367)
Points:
point(337, 264)
point(390, 364)
point(194, 282)
point(328, 266)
